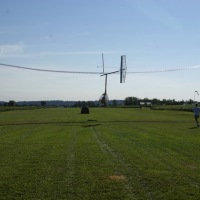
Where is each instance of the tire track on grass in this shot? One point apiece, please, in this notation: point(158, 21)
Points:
point(121, 167)
point(70, 168)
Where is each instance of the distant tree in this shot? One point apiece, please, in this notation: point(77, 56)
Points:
point(131, 101)
point(164, 101)
point(155, 101)
point(11, 103)
point(83, 103)
point(135, 100)
point(91, 104)
point(80, 104)
point(128, 101)
point(190, 101)
point(114, 103)
point(146, 100)
point(43, 103)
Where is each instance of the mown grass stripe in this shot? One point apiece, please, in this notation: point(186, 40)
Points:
point(120, 166)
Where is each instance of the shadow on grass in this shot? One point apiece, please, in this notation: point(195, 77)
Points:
point(91, 125)
point(195, 127)
point(84, 123)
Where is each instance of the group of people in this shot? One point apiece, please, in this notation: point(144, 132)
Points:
point(196, 111)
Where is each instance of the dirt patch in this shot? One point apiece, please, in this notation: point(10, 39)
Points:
point(115, 177)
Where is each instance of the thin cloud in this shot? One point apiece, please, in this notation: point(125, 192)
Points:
point(17, 51)
point(78, 53)
point(8, 50)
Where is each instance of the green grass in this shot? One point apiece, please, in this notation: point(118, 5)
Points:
point(111, 153)
point(185, 107)
point(13, 108)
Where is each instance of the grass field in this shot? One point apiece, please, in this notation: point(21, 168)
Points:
point(112, 153)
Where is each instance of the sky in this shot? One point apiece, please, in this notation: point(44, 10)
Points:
point(71, 35)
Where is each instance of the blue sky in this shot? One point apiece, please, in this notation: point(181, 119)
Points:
point(72, 35)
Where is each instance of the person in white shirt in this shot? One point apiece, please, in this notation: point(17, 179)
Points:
point(196, 111)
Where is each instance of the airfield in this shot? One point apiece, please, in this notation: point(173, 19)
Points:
point(111, 153)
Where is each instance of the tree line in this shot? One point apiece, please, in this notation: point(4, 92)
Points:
point(129, 101)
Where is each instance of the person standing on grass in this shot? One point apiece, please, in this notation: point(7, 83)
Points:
point(196, 111)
